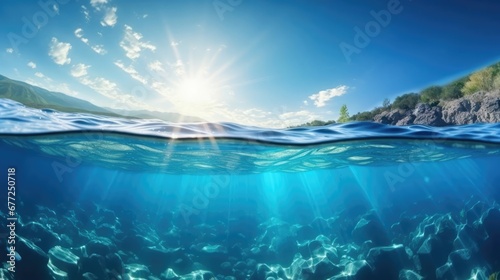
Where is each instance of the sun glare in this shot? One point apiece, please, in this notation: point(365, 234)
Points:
point(195, 89)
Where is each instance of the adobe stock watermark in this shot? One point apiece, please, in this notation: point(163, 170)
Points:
point(223, 6)
point(363, 37)
point(31, 26)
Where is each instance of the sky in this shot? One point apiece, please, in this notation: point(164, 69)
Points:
point(270, 63)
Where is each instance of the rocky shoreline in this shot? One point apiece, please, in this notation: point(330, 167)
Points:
point(481, 107)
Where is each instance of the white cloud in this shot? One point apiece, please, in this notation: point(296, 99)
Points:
point(145, 15)
point(101, 85)
point(31, 65)
point(59, 51)
point(9, 50)
point(174, 44)
point(86, 13)
point(79, 70)
point(79, 33)
point(99, 49)
point(131, 71)
point(97, 3)
point(156, 66)
point(56, 8)
point(132, 44)
point(323, 96)
point(110, 90)
point(39, 75)
point(110, 17)
point(96, 48)
point(306, 103)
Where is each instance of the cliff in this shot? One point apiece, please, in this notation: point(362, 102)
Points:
point(481, 107)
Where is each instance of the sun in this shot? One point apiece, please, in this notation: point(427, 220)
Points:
point(195, 89)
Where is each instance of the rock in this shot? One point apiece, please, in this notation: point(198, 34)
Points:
point(359, 270)
point(387, 261)
point(390, 117)
point(370, 228)
point(406, 274)
point(114, 263)
point(101, 246)
point(427, 115)
point(34, 261)
point(106, 217)
point(432, 254)
point(478, 107)
point(159, 258)
point(169, 274)
point(89, 276)
point(95, 265)
point(462, 263)
point(136, 270)
point(491, 222)
point(212, 256)
point(36, 231)
point(62, 259)
point(481, 107)
point(105, 230)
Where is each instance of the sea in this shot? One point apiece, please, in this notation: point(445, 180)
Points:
point(95, 197)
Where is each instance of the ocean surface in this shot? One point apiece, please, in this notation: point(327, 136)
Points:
point(94, 197)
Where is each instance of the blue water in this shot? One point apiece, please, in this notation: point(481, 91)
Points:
point(110, 198)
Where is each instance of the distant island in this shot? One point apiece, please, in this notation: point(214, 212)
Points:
point(474, 98)
point(36, 97)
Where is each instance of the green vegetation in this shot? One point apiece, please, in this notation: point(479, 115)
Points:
point(431, 94)
point(406, 101)
point(344, 114)
point(487, 79)
point(315, 123)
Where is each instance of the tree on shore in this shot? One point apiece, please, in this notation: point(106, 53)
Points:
point(344, 114)
point(482, 80)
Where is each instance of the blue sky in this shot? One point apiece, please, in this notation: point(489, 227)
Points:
point(267, 63)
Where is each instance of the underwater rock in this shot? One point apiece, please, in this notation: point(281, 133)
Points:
point(105, 230)
point(106, 216)
point(136, 270)
point(5, 274)
point(199, 274)
point(101, 246)
point(34, 231)
point(159, 258)
point(491, 222)
point(489, 248)
point(169, 274)
point(370, 228)
point(135, 243)
point(64, 260)
point(407, 274)
point(95, 265)
point(432, 254)
point(89, 276)
point(386, 262)
point(357, 270)
point(212, 256)
point(462, 262)
point(114, 263)
point(265, 271)
point(34, 261)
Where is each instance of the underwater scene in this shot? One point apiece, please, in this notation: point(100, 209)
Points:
point(93, 197)
point(249, 140)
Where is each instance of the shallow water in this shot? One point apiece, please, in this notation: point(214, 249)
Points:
point(107, 198)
